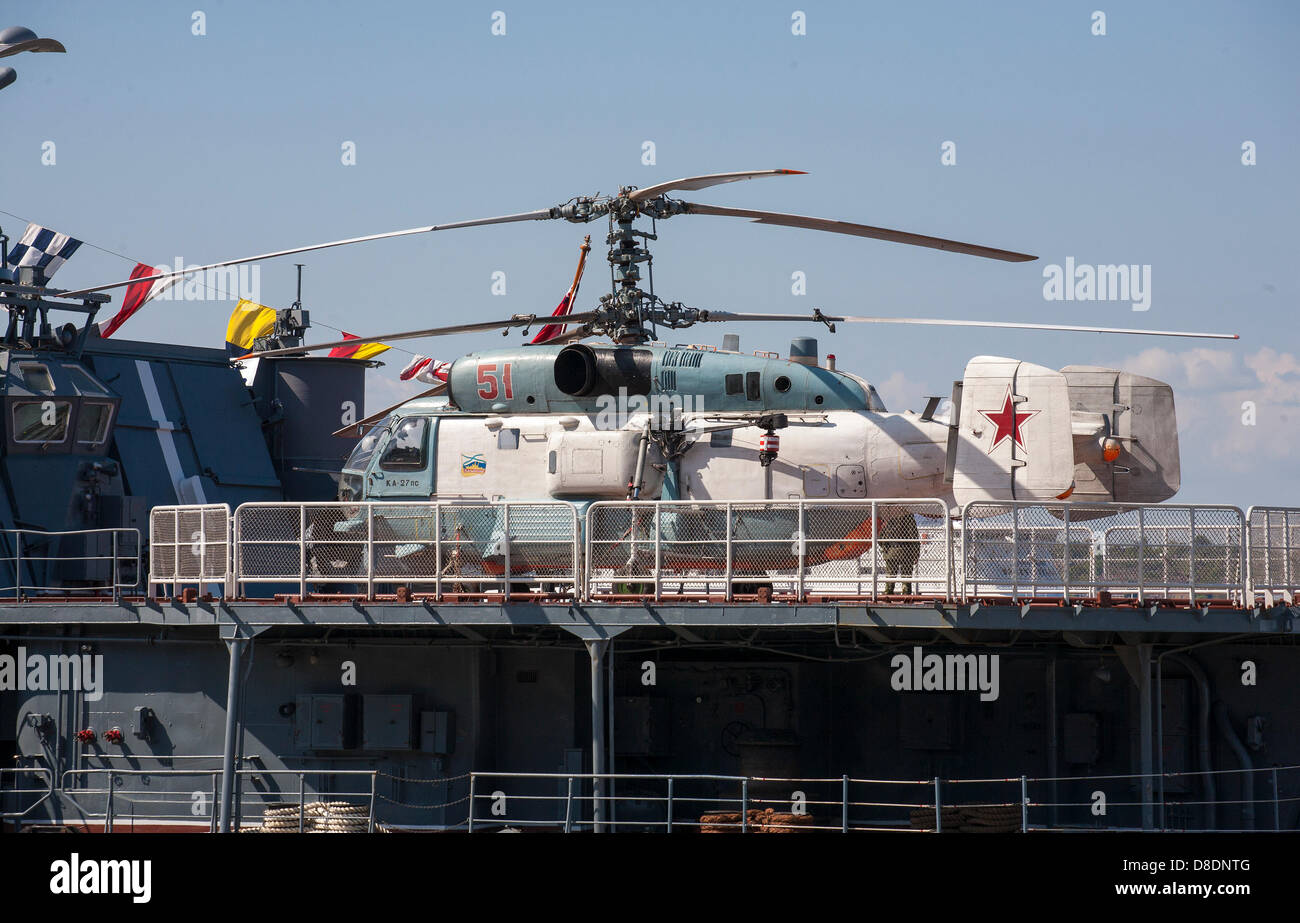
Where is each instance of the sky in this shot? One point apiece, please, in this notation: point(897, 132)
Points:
point(1169, 143)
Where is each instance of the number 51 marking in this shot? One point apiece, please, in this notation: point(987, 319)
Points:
point(490, 385)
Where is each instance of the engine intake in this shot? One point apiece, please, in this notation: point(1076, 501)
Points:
point(582, 370)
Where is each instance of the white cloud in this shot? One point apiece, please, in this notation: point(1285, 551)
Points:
point(1212, 391)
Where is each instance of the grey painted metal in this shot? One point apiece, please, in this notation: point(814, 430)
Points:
point(1024, 804)
point(236, 646)
point(606, 619)
point(596, 651)
point(568, 804)
point(669, 824)
point(938, 808)
point(744, 805)
point(844, 798)
point(1277, 817)
point(1145, 736)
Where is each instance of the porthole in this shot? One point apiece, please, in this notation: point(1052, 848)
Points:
point(818, 399)
point(782, 384)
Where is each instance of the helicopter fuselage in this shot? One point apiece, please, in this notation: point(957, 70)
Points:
point(647, 422)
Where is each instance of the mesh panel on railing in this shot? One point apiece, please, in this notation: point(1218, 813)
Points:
point(454, 547)
point(1026, 549)
point(1274, 549)
point(844, 548)
point(189, 544)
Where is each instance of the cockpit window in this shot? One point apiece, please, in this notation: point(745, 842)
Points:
point(41, 421)
point(874, 403)
point(364, 449)
point(406, 449)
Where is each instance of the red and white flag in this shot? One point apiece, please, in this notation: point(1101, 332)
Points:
point(137, 293)
point(551, 331)
point(426, 369)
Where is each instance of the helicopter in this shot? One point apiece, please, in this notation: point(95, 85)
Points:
point(632, 417)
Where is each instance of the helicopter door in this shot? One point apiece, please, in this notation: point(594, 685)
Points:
point(403, 469)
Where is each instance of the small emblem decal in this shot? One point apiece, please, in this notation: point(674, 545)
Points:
point(471, 465)
point(1008, 421)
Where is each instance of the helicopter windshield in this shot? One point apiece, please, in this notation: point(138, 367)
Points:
point(364, 449)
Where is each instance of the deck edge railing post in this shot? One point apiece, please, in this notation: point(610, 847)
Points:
point(1024, 804)
point(938, 812)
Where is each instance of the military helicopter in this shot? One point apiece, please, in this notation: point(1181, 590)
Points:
point(637, 418)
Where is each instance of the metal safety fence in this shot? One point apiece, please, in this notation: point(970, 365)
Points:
point(190, 545)
point(779, 549)
point(1237, 800)
point(1081, 550)
point(1245, 799)
point(22, 790)
point(446, 549)
point(267, 800)
point(1273, 551)
point(76, 562)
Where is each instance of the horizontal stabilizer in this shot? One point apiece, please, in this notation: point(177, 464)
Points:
point(1135, 416)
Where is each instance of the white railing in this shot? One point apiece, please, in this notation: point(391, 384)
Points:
point(443, 548)
point(126, 798)
point(776, 549)
point(79, 561)
point(1020, 549)
point(14, 788)
point(1273, 551)
point(779, 550)
point(190, 545)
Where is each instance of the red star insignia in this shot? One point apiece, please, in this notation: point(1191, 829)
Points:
point(1009, 422)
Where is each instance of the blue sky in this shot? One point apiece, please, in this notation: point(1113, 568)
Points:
point(1122, 148)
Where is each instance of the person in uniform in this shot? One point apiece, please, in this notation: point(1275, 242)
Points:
point(900, 548)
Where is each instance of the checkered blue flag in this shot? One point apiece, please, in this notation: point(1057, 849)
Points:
point(43, 248)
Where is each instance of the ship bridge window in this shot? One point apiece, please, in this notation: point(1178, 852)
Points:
point(37, 378)
point(83, 382)
point(405, 450)
point(92, 422)
point(41, 421)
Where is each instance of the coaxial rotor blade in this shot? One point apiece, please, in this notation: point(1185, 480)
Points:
point(519, 320)
point(857, 230)
point(538, 215)
point(358, 429)
point(703, 182)
point(726, 316)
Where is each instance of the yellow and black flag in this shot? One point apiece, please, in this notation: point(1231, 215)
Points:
point(248, 322)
